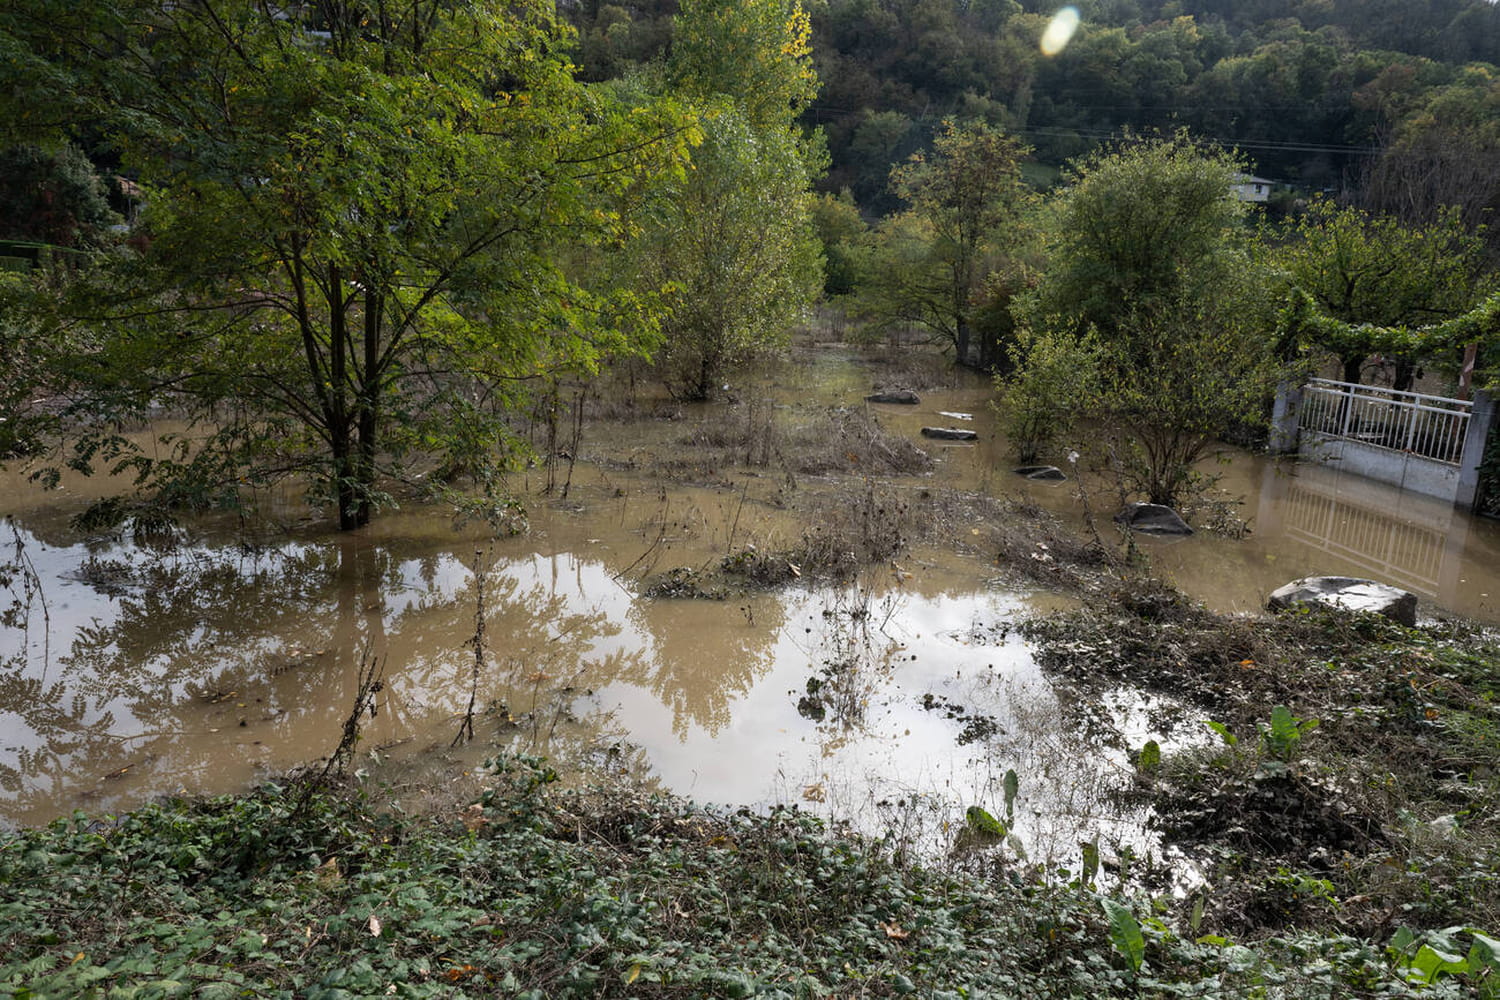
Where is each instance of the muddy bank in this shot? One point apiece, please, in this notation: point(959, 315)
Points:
point(1342, 772)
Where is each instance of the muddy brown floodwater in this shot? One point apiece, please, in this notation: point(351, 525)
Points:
point(892, 703)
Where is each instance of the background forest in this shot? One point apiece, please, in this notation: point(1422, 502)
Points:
point(1363, 95)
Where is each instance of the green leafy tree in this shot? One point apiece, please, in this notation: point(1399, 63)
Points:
point(756, 52)
point(734, 237)
point(1364, 268)
point(846, 243)
point(53, 196)
point(1143, 225)
point(352, 232)
point(965, 200)
point(1150, 261)
point(1039, 402)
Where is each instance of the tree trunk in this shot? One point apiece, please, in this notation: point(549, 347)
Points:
point(369, 408)
point(1352, 365)
point(343, 479)
point(339, 424)
point(961, 342)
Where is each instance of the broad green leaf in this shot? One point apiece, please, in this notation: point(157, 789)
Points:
point(980, 821)
point(1224, 734)
point(1432, 963)
point(1125, 934)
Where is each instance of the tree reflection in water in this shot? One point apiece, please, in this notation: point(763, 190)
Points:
point(202, 667)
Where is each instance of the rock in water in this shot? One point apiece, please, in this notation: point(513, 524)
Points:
point(1042, 473)
point(1153, 519)
point(903, 396)
point(950, 434)
point(1349, 593)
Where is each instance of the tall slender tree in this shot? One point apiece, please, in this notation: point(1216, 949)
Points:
point(734, 237)
point(965, 199)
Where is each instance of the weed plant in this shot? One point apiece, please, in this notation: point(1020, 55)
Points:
point(538, 894)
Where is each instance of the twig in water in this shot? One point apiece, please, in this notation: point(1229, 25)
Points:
point(729, 546)
point(466, 727)
point(661, 536)
point(369, 683)
point(577, 438)
point(31, 594)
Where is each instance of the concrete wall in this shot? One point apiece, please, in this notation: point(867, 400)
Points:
point(1400, 469)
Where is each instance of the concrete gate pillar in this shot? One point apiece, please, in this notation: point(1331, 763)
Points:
point(1286, 418)
point(1480, 425)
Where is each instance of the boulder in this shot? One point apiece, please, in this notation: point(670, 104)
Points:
point(1042, 473)
point(1153, 519)
point(903, 396)
point(950, 434)
point(1349, 593)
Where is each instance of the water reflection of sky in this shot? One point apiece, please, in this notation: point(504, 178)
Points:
point(200, 668)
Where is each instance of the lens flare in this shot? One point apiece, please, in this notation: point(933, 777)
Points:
point(1060, 31)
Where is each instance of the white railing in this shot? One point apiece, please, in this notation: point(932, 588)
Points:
point(1410, 422)
point(1381, 545)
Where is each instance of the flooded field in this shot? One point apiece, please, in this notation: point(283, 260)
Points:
point(892, 702)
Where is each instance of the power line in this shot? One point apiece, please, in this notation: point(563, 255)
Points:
point(1266, 145)
point(1272, 145)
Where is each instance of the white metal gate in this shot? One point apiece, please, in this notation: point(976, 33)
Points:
point(1433, 427)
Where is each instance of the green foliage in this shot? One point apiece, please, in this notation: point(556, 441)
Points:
point(1146, 227)
point(1282, 737)
point(539, 893)
point(1442, 137)
point(1125, 934)
point(1300, 321)
point(1222, 731)
point(357, 235)
point(1149, 256)
point(733, 238)
point(53, 196)
point(24, 351)
point(964, 205)
point(981, 822)
point(1090, 862)
point(1372, 273)
point(1403, 765)
point(757, 52)
point(1425, 958)
point(846, 240)
point(1039, 399)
